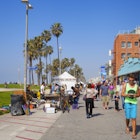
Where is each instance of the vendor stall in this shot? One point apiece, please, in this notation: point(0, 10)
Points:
point(65, 79)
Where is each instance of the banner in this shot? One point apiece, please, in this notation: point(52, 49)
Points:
point(103, 73)
point(32, 68)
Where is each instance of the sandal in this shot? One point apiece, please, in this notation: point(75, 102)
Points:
point(134, 136)
point(127, 131)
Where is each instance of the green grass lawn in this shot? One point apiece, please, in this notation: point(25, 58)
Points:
point(35, 87)
point(5, 100)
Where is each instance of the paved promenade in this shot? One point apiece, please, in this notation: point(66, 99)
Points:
point(104, 125)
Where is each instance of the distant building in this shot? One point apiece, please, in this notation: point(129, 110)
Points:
point(126, 45)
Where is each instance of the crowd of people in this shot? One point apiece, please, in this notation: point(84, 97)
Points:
point(128, 91)
point(105, 92)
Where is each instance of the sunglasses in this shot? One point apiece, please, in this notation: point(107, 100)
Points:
point(131, 80)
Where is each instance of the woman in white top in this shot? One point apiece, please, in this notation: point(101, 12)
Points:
point(90, 93)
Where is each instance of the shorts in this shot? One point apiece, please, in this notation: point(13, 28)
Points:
point(130, 111)
point(105, 99)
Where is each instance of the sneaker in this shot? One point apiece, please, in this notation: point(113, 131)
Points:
point(88, 116)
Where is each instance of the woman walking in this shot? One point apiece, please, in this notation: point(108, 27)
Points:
point(111, 91)
point(89, 93)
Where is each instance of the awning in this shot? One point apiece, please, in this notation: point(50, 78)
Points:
point(132, 65)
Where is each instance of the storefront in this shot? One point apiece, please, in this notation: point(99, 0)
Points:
point(132, 65)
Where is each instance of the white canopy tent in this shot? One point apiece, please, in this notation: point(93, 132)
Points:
point(65, 79)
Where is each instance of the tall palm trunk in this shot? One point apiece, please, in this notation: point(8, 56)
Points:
point(50, 69)
point(32, 78)
point(58, 56)
point(46, 69)
point(39, 71)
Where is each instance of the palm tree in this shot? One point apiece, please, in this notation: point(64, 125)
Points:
point(72, 61)
point(31, 56)
point(65, 64)
point(55, 66)
point(57, 30)
point(45, 52)
point(46, 36)
point(38, 44)
point(50, 50)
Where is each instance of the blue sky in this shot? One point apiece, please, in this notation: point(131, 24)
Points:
point(89, 29)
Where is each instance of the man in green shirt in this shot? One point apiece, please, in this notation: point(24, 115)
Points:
point(131, 92)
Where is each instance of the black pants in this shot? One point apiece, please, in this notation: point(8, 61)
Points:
point(116, 105)
point(89, 106)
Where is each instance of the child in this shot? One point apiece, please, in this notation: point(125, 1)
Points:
point(117, 97)
point(38, 95)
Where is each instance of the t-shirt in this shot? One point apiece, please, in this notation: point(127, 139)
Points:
point(42, 89)
point(89, 93)
point(104, 90)
point(111, 87)
point(131, 90)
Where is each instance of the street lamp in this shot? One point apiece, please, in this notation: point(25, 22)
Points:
point(28, 6)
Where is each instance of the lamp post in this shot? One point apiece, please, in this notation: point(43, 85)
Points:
point(28, 6)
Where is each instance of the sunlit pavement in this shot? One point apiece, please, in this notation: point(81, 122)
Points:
point(104, 125)
point(27, 127)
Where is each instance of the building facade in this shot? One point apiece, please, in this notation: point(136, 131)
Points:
point(126, 45)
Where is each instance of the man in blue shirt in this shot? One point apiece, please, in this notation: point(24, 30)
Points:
point(104, 94)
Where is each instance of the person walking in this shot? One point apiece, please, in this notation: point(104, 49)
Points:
point(111, 91)
point(98, 89)
point(117, 97)
point(104, 93)
point(89, 93)
point(131, 92)
point(42, 90)
point(76, 95)
point(120, 93)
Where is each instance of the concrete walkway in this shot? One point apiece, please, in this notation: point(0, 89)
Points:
point(104, 125)
point(25, 127)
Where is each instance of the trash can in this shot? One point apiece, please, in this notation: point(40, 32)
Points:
point(16, 105)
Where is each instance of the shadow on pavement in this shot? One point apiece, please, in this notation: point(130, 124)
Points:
point(138, 129)
point(81, 106)
point(97, 114)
